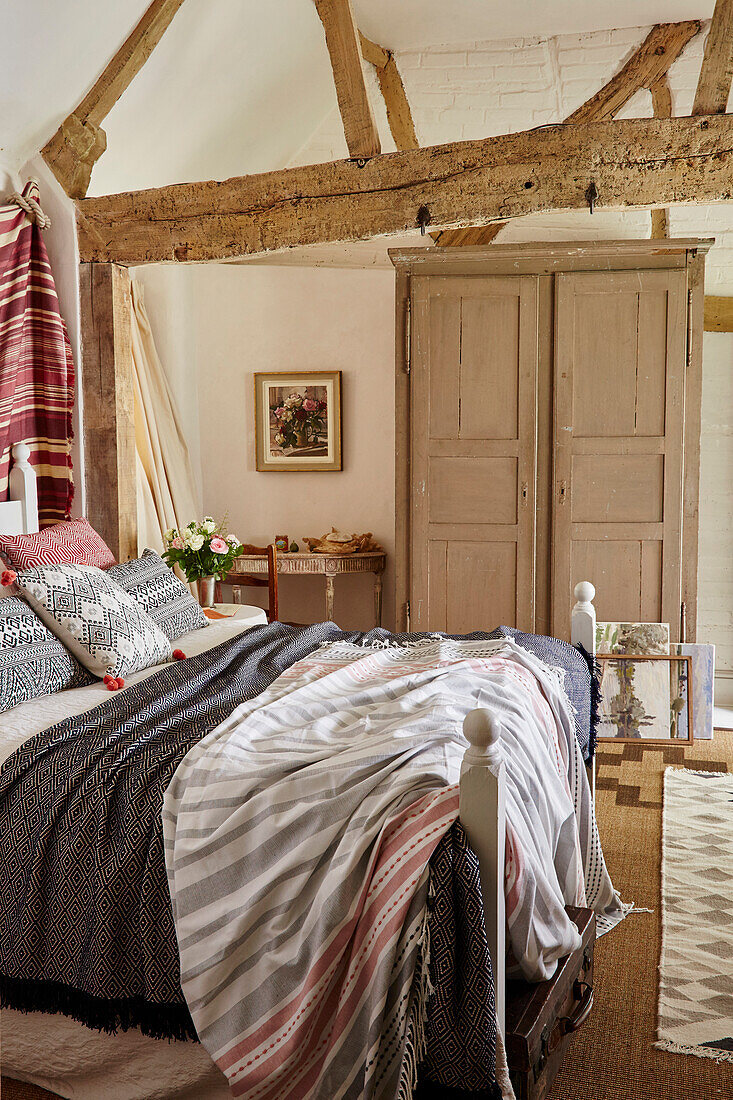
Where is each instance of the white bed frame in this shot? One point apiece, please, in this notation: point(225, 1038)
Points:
point(483, 797)
point(19, 514)
point(483, 781)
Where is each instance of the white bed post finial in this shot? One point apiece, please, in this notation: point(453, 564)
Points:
point(22, 484)
point(583, 620)
point(482, 810)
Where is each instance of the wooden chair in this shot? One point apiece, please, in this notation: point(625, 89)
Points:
point(247, 580)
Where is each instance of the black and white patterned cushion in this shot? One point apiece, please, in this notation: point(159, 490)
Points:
point(160, 593)
point(33, 661)
point(102, 625)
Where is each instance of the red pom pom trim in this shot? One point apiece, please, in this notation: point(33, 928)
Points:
point(8, 577)
point(179, 655)
point(120, 682)
point(111, 684)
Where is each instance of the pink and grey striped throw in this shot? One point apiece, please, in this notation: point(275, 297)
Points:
point(298, 835)
point(36, 366)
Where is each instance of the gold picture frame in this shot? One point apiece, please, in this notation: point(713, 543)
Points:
point(627, 707)
point(297, 421)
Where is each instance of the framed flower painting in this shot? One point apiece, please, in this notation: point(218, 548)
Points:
point(298, 421)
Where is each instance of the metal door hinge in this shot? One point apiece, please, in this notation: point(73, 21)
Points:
point(407, 616)
point(408, 333)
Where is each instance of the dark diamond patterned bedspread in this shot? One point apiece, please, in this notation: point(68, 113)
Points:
point(461, 1026)
point(85, 917)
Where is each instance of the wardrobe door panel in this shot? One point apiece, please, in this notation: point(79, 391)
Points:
point(617, 488)
point(473, 490)
point(620, 341)
point(617, 567)
point(473, 452)
point(481, 585)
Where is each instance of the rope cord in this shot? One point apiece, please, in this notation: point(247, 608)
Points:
point(32, 209)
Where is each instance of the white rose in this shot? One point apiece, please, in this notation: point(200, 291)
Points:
point(170, 534)
point(208, 526)
point(233, 540)
point(195, 541)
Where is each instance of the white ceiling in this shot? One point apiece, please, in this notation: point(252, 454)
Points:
point(412, 23)
point(235, 86)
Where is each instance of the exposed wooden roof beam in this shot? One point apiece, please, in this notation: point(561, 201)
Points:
point(344, 47)
point(646, 66)
point(662, 106)
point(713, 87)
point(718, 314)
point(634, 164)
point(79, 142)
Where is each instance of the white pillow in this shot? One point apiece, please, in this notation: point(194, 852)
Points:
point(105, 629)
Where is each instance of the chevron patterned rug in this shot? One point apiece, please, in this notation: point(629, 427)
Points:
point(696, 966)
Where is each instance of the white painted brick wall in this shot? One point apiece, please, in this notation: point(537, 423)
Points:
point(486, 88)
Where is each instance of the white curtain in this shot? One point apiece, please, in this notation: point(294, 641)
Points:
point(166, 490)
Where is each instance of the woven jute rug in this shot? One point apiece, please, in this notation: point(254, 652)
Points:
point(696, 966)
point(613, 1056)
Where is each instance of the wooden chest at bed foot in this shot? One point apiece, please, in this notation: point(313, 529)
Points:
point(541, 1018)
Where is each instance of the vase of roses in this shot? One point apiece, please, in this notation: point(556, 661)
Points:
point(299, 420)
point(204, 551)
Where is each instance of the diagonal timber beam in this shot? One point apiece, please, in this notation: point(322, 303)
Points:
point(661, 47)
point(634, 164)
point(659, 50)
point(80, 141)
point(713, 87)
point(399, 115)
point(342, 39)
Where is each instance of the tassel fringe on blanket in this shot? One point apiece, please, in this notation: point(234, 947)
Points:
point(163, 1021)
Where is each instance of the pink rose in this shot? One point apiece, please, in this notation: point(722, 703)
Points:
point(177, 543)
point(219, 546)
point(279, 412)
point(309, 405)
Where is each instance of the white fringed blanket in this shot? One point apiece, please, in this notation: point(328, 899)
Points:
point(298, 835)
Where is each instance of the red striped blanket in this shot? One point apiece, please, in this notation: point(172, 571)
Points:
point(36, 365)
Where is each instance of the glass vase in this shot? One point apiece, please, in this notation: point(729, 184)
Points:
point(206, 589)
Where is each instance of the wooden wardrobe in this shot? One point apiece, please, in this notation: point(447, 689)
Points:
point(548, 431)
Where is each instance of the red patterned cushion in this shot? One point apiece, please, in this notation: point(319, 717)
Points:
point(72, 543)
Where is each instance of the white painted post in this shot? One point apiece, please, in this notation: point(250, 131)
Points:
point(583, 632)
point(482, 808)
point(583, 619)
point(22, 483)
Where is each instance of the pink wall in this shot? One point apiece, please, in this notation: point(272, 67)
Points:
point(241, 319)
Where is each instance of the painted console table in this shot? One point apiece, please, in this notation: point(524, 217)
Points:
point(329, 566)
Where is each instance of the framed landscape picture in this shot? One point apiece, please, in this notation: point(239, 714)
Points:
point(645, 697)
point(298, 420)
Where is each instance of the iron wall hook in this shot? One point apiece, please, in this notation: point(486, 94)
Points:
point(423, 219)
point(591, 195)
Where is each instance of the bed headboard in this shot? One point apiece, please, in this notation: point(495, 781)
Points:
point(19, 514)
